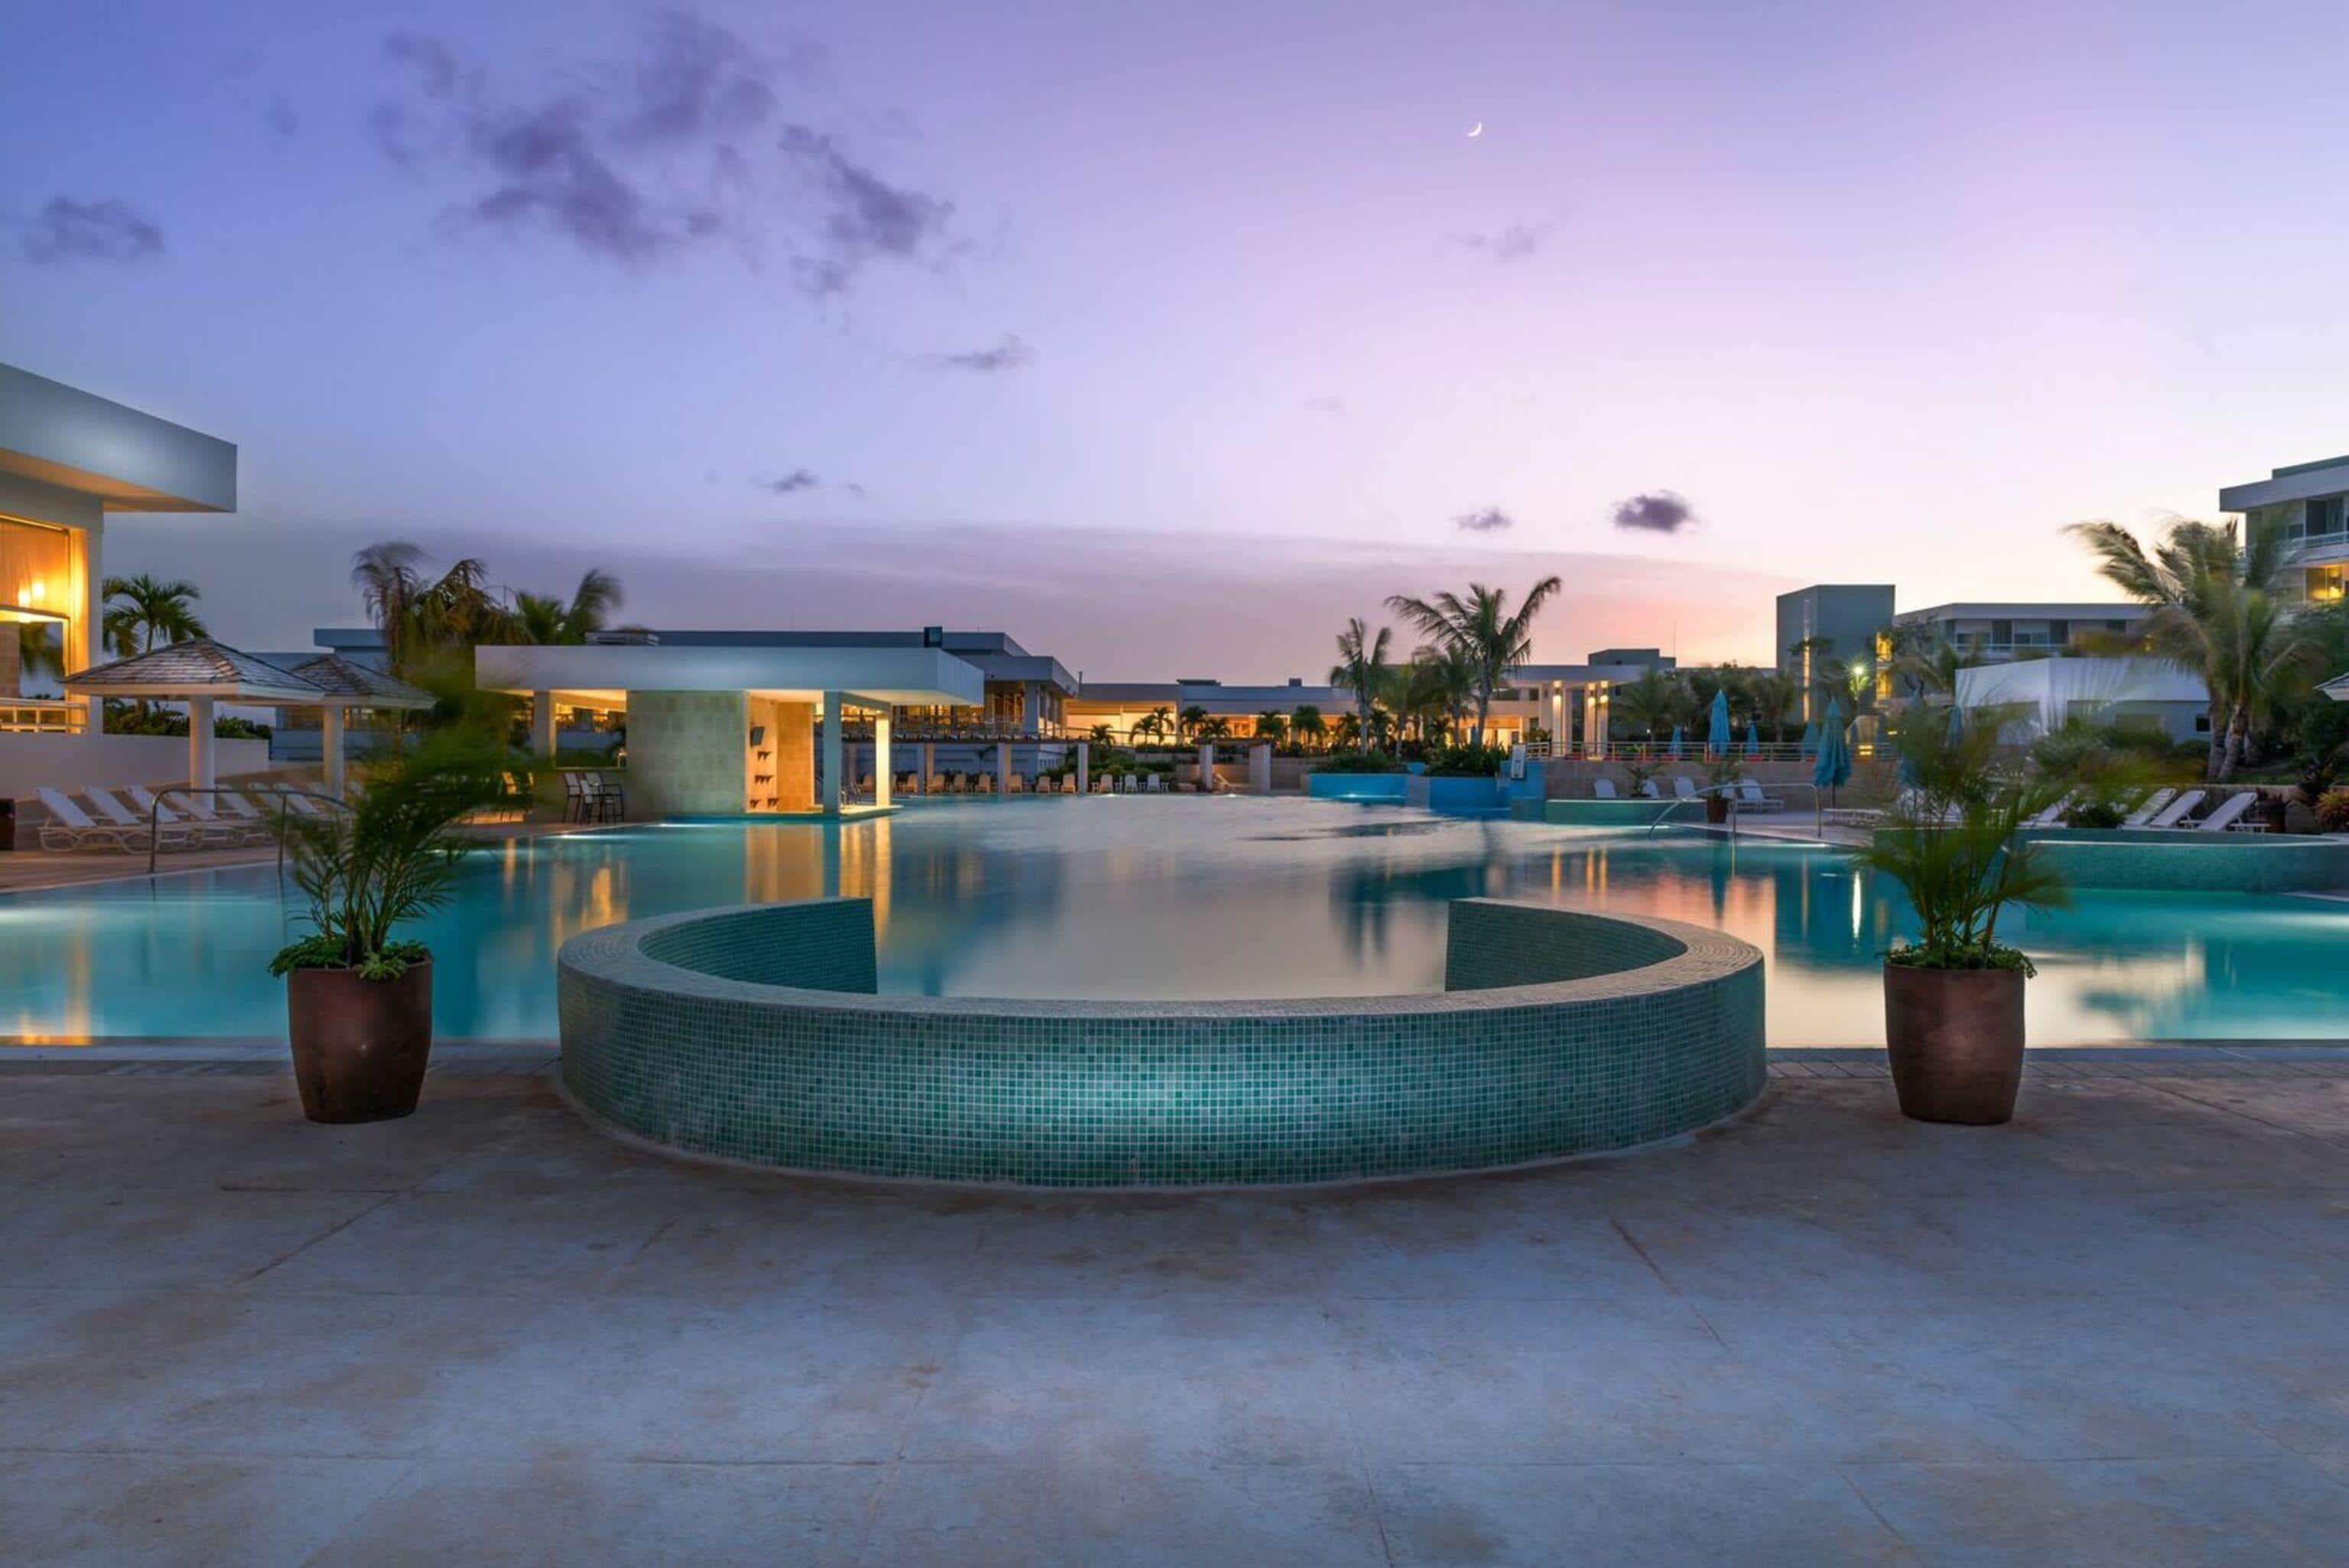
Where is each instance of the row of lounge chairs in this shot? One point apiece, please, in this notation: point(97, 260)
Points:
point(1746, 792)
point(983, 784)
point(134, 822)
point(2165, 810)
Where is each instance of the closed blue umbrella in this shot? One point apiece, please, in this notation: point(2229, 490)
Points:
point(1811, 739)
point(1678, 745)
point(1957, 722)
point(1752, 738)
point(1833, 768)
point(1716, 729)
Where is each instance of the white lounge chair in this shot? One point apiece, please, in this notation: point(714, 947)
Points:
point(2053, 815)
point(2147, 807)
point(174, 831)
point(1751, 798)
point(2176, 812)
point(1683, 789)
point(71, 827)
point(1157, 785)
point(1648, 790)
point(1603, 789)
point(2229, 814)
point(202, 827)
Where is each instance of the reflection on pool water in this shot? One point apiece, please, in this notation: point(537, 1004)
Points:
point(1164, 897)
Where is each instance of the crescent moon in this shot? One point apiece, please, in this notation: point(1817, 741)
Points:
point(1478, 130)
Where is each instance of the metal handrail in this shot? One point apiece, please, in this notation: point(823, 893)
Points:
point(1729, 792)
point(282, 796)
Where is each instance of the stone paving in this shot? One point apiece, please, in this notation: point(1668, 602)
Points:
point(2111, 1333)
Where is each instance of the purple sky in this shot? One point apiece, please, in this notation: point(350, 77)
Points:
point(1180, 331)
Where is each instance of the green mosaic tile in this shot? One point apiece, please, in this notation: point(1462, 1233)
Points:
point(755, 1034)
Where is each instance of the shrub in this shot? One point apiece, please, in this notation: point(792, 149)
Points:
point(2332, 810)
point(1466, 761)
point(1360, 762)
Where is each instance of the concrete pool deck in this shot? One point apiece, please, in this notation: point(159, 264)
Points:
point(2110, 1333)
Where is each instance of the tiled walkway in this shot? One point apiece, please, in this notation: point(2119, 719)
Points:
point(2110, 1333)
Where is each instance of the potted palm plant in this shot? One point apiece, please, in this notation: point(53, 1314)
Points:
point(358, 1000)
point(1953, 997)
point(1721, 776)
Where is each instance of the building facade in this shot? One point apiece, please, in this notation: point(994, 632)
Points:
point(2310, 502)
point(1831, 624)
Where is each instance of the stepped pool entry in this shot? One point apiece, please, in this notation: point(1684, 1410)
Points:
point(756, 1034)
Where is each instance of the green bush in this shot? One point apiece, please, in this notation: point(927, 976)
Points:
point(2332, 810)
point(1466, 761)
point(1359, 763)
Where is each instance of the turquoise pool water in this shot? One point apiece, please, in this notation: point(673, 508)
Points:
point(1160, 898)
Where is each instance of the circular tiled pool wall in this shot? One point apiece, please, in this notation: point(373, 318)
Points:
point(754, 1034)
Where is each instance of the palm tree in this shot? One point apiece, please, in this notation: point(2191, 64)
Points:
point(390, 582)
point(1435, 688)
point(1650, 702)
point(1307, 727)
point(1273, 726)
point(142, 613)
point(39, 652)
point(2216, 611)
point(543, 619)
point(1347, 732)
point(1481, 629)
point(1151, 724)
point(1926, 663)
point(1774, 696)
point(1361, 669)
point(1187, 722)
point(1210, 727)
point(1102, 735)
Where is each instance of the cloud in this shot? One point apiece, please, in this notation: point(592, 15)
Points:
point(1009, 353)
point(1657, 512)
point(678, 146)
point(790, 483)
point(1335, 407)
point(1517, 242)
point(281, 120)
point(1492, 520)
point(67, 230)
point(867, 217)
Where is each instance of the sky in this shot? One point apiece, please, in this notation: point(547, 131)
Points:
point(1167, 337)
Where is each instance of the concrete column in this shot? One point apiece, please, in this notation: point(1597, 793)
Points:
point(929, 779)
point(1084, 767)
point(1002, 769)
point(1602, 725)
point(881, 763)
point(1206, 767)
point(199, 743)
point(830, 791)
point(1561, 725)
point(83, 640)
point(330, 737)
point(1260, 768)
point(541, 724)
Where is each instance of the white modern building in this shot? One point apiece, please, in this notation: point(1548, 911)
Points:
point(2310, 502)
point(2045, 694)
point(69, 460)
point(1994, 632)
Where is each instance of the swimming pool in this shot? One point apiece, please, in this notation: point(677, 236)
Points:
point(1149, 898)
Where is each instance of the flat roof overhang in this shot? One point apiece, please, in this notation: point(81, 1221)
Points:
point(76, 441)
point(601, 675)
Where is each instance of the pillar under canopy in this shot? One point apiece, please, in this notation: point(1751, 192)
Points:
point(1084, 767)
point(881, 780)
point(929, 778)
point(1260, 768)
point(200, 742)
point(1206, 767)
point(330, 740)
point(1002, 769)
point(541, 723)
point(832, 791)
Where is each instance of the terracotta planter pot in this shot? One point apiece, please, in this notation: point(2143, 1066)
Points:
point(360, 1047)
point(1955, 1037)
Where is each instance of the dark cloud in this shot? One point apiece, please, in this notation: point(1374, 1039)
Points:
point(1335, 407)
point(678, 146)
point(866, 217)
point(1517, 242)
point(791, 483)
point(67, 230)
point(1492, 520)
point(1657, 512)
point(1009, 353)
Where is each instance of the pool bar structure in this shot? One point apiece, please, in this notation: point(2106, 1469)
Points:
point(755, 1034)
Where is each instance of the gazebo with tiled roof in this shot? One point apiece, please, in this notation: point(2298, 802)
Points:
point(203, 674)
point(347, 685)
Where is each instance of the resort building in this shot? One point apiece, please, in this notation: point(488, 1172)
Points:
point(1830, 623)
point(1231, 711)
point(70, 459)
point(1563, 708)
point(1995, 633)
point(2312, 501)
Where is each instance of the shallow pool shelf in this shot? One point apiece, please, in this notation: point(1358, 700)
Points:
point(755, 1034)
